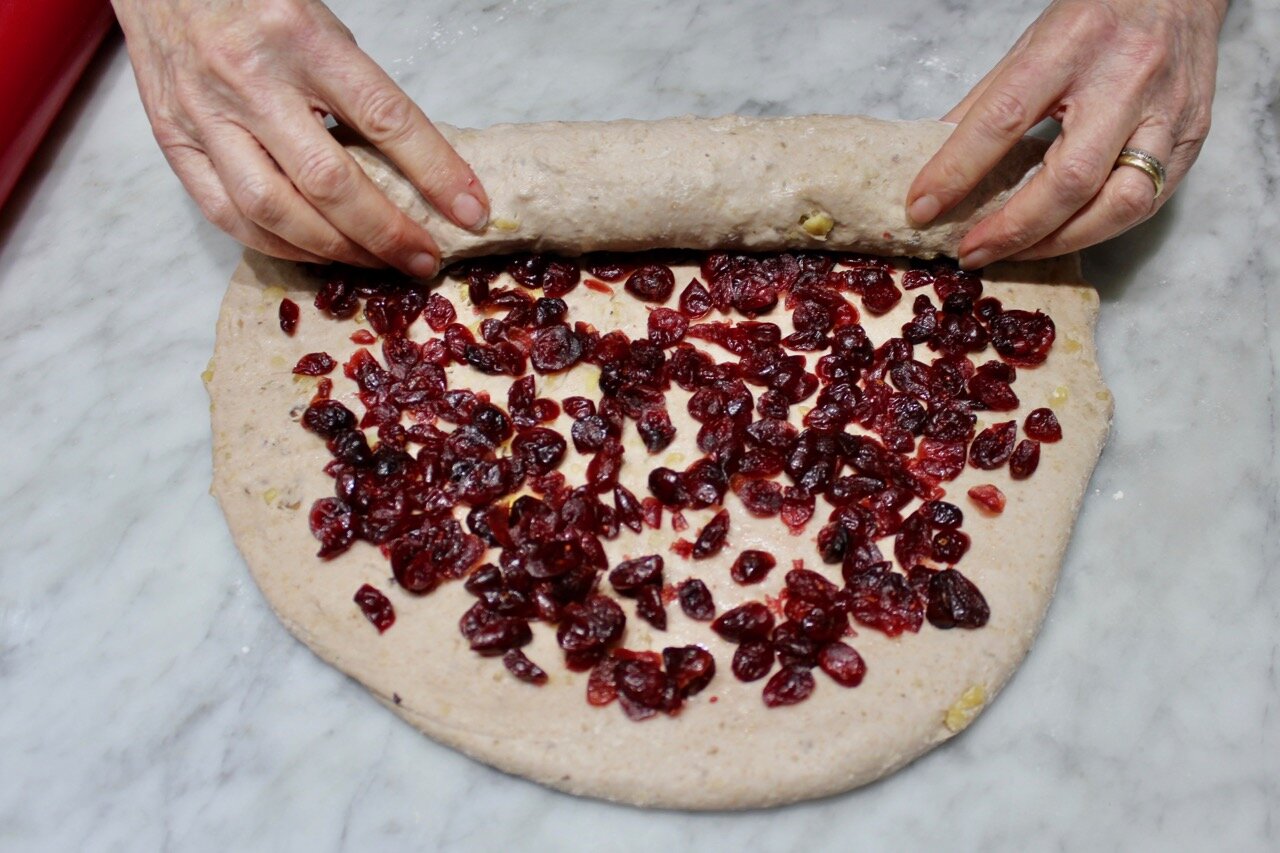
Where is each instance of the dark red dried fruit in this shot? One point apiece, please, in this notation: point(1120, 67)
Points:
point(988, 497)
point(882, 599)
point(747, 622)
point(490, 633)
point(328, 418)
point(1023, 338)
point(602, 684)
point(695, 301)
point(288, 316)
point(942, 514)
point(656, 429)
point(954, 602)
point(752, 661)
point(712, 537)
point(1025, 459)
point(667, 327)
point(695, 600)
point(650, 607)
point(376, 607)
point(1042, 425)
point(652, 283)
point(993, 446)
point(752, 566)
point(554, 349)
point(539, 449)
point(843, 663)
point(630, 575)
point(790, 685)
point(315, 364)
point(524, 669)
point(690, 668)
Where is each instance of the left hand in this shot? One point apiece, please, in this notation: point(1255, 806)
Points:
point(1124, 73)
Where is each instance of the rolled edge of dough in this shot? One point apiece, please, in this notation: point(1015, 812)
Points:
point(702, 183)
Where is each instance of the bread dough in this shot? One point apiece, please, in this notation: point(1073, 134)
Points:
point(725, 749)
point(694, 183)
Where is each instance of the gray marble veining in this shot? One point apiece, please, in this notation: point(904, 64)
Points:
point(149, 699)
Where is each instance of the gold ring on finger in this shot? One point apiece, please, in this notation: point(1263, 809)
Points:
point(1147, 163)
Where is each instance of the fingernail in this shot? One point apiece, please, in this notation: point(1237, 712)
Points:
point(469, 212)
point(976, 258)
point(924, 209)
point(423, 265)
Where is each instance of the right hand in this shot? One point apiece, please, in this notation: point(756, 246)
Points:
point(237, 95)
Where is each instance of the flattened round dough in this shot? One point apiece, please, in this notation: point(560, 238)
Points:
point(732, 752)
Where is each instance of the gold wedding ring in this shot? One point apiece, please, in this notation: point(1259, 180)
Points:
point(1146, 162)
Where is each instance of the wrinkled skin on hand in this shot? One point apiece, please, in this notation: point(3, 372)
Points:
point(1116, 74)
point(237, 93)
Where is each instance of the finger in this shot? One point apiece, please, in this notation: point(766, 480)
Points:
point(1075, 168)
point(267, 198)
point(1127, 198)
point(197, 174)
point(330, 180)
point(1007, 109)
point(365, 98)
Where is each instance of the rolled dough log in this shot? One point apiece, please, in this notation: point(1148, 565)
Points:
point(695, 183)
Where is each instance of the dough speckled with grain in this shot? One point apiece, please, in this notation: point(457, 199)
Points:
point(697, 183)
point(730, 753)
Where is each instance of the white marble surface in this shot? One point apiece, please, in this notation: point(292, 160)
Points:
point(149, 700)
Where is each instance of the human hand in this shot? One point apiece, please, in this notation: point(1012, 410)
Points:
point(237, 95)
point(1125, 73)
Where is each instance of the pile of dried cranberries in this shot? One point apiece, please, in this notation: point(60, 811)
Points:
point(884, 426)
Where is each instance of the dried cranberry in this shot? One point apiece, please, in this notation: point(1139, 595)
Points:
point(376, 607)
point(288, 316)
point(667, 327)
point(712, 536)
point(490, 633)
point(651, 283)
point(602, 684)
point(747, 622)
point(954, 602)
point(752, 661)
point(588, 629)
point(695, 600)
point(630, 575)
point(555, 348)
point(1022, 338)
point(949, 546)
point(328, 418)
point(650, 607)
point(880, 294)
point(993, 446)
point(691, 668)
point(988, 497)
point(752, 566)
point(1025, 459)
point(1042, 425)
point(882, 599)
point(656, 429)
point(695, 301)
point(843, 663)
point(524, 669)
point(942, 514)
point(539, 449)
point(315, 364)
point(788, 686)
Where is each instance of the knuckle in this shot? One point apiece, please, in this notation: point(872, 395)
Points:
point(1005, 114)
point(1093, 20)
point(388, 239)
point(325, 177)
point(386, 114)
point(1077, 176)
point(260, 201)
point(222, 214)
point(1133, 199)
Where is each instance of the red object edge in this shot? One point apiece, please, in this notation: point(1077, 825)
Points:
point(44, 48)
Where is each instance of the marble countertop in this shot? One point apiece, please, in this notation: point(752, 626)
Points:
point(149, 699)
